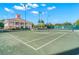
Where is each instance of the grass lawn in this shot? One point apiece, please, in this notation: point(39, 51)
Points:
point(38, 43)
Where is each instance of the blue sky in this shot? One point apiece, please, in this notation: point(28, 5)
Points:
point(51, 12)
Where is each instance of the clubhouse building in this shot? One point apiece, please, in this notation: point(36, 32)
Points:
point(17, 22)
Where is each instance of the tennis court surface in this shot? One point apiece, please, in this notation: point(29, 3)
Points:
point(38, 42)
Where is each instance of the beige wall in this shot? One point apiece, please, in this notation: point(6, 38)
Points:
point(10, 25)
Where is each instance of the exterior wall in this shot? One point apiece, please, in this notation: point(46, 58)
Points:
point(8, 24)
point(16, 22)
point(13, 24)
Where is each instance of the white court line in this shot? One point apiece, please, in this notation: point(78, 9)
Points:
point(51, 41)
point(42, 37)
point(25, 43)
point(21, 41)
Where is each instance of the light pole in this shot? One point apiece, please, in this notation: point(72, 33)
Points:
point(40, 18)
point(25, 10)
point(25, 14)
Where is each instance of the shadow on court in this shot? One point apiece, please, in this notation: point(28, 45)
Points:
point(70, 52)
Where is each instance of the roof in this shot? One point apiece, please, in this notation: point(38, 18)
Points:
point(15, 19)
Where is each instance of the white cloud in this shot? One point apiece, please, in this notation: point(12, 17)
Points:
point(22, 7)
point(22, 4)
point(33, 5)
point(27, 7)
point(8, 10)
point(51, 8)
point(43, 4)
point(29, 4)
point(35, 12)
point(19, 7)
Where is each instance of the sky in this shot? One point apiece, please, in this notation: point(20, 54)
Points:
point(50, 12)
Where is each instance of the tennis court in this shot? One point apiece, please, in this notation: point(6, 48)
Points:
point(38, 42)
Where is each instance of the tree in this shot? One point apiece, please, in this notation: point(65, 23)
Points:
point(1, 25)
point(77, 22)
point(40, 21)
point(50, 26)
point(58, 24)
point(67, 23)
point(33, 25)
point(41, 24)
